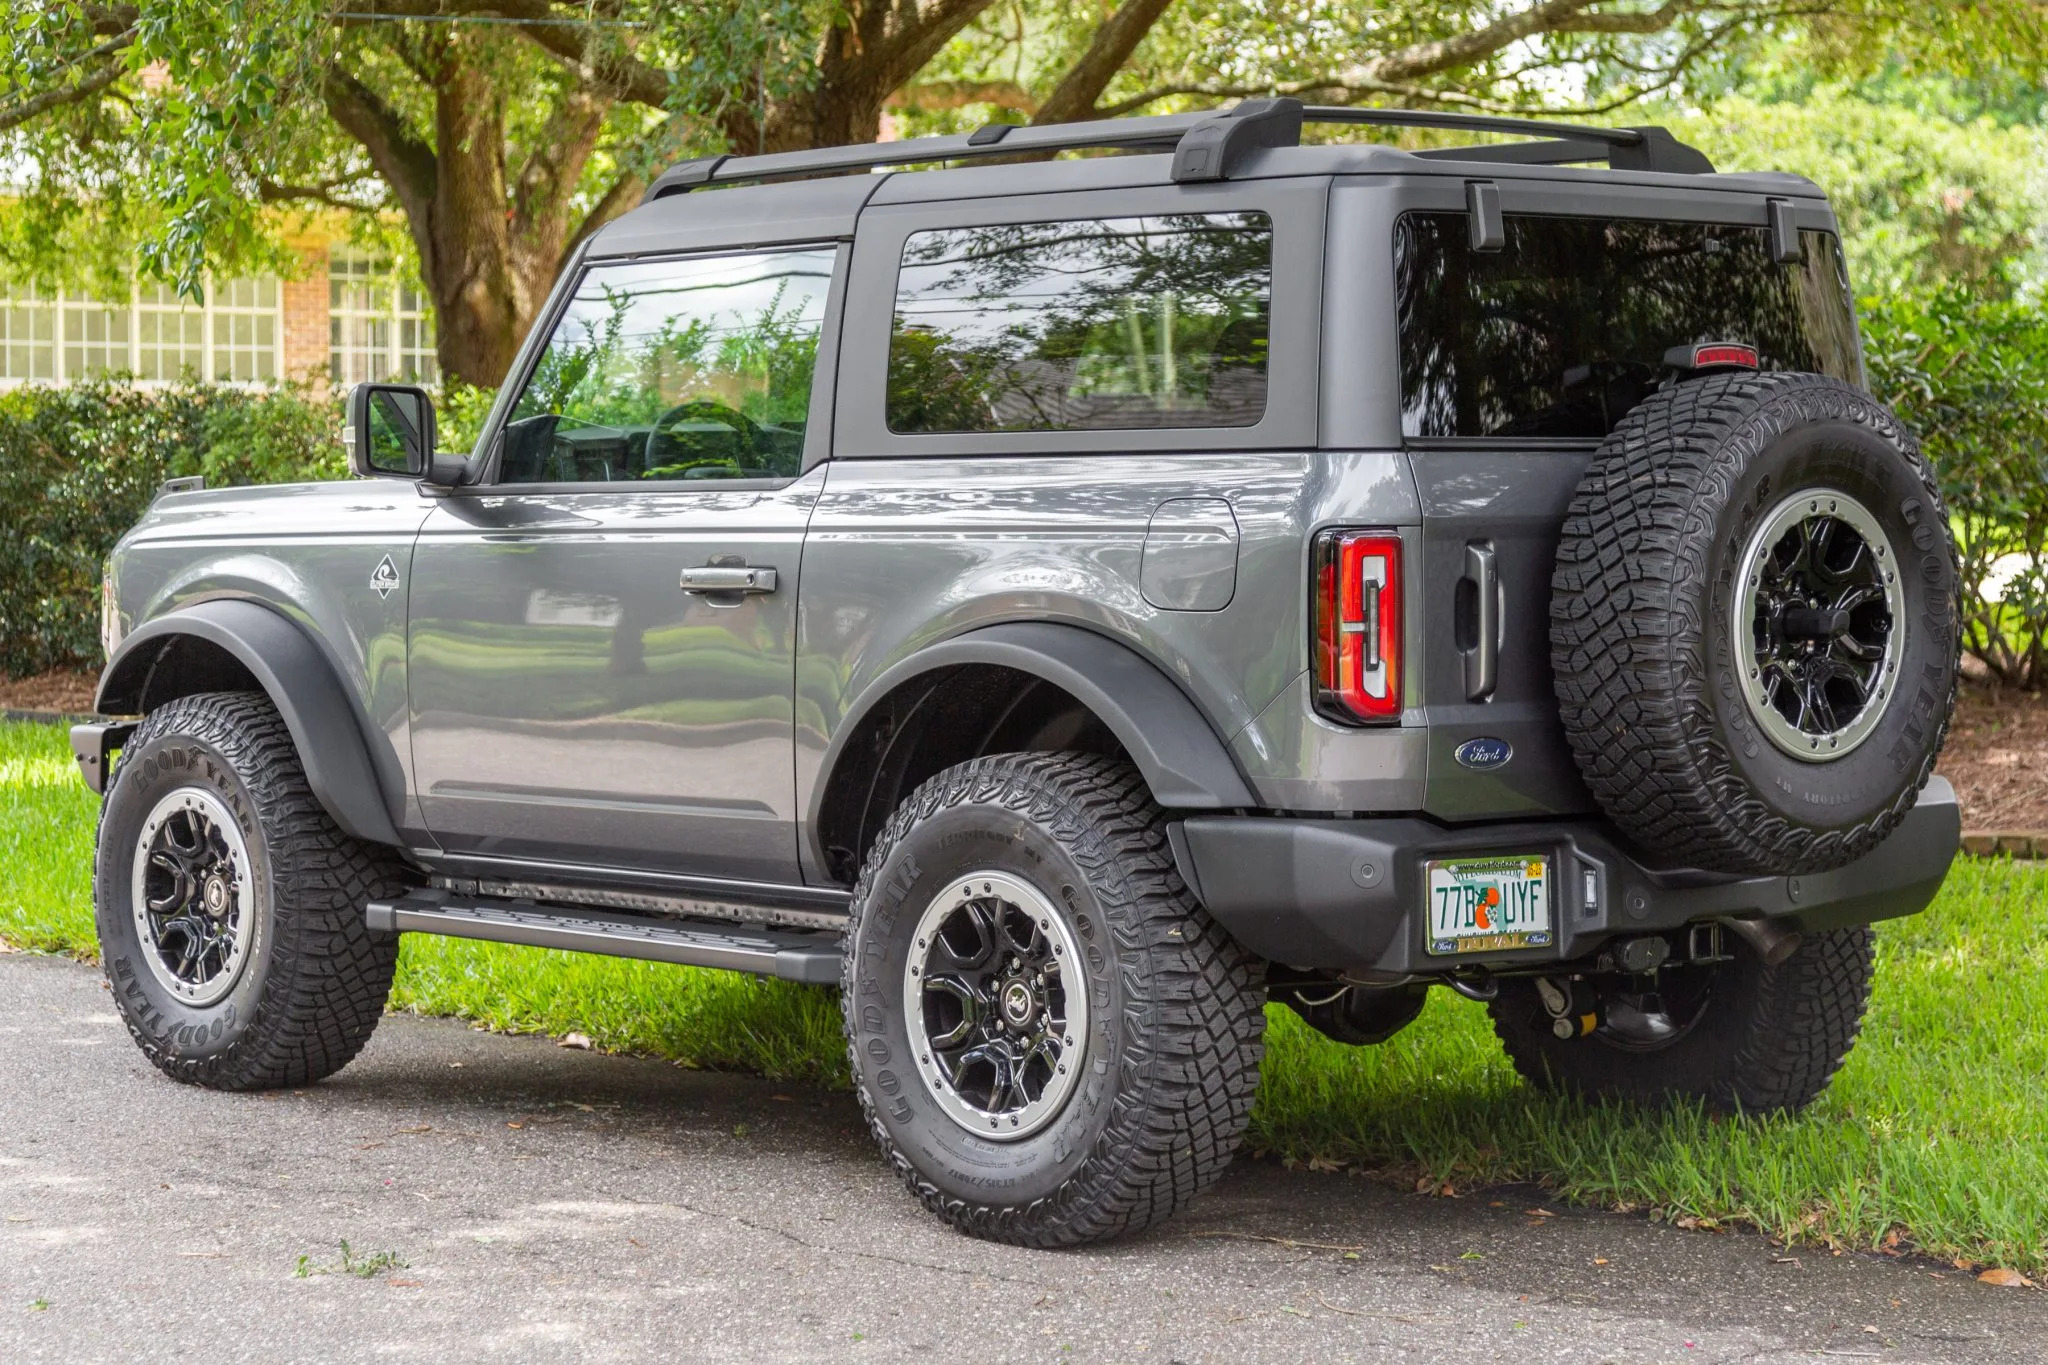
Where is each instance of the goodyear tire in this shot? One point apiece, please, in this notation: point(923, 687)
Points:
point(1754, 630)
point(1052, 1042)
point(230, 906)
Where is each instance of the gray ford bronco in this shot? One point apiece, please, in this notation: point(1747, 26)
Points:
point(1068, 604)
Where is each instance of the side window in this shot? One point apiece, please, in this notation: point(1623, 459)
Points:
point(1095, 325)
point(689, 369)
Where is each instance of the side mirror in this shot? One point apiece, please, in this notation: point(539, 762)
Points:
point(390, 432)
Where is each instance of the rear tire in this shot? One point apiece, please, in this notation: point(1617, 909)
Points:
point(1764, 1040)
point(248, 965)
point(1132, 1023)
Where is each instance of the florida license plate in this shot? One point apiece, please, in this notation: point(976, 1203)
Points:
point(1484, 905)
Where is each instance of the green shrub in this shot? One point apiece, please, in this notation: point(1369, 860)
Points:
point(1970, 376)
point(289, 435)
point(78, 466)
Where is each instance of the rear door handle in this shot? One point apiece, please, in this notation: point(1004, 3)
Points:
point(1482, 660)
point(728, 578)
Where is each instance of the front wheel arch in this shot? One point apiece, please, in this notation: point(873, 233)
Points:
point(230, 644)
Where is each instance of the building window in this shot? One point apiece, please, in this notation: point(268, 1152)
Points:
point(65, 335)
point(245, 329)
point(95, 336)
point(379, 327)
point(28, 334)
point(171, 336)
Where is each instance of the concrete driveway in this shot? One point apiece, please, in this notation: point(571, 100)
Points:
point(550, 1204)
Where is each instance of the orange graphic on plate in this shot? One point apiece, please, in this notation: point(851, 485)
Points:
point(1487, 902)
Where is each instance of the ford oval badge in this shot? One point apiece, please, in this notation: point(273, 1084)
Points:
point(1484, 753)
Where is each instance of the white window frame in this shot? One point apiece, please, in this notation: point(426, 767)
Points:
point(388, 361)
point(62, 301)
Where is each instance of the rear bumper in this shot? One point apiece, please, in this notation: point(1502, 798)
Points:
point(1348, 894)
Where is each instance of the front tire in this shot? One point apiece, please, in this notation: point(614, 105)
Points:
point(1753, 1038)
point(230, 905)
point(1082, 1060)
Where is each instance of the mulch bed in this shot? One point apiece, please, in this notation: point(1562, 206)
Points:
point(1997, 757)
point(64, 690)
point(1997, 753)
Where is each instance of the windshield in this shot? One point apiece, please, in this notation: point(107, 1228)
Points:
point(1564, 330)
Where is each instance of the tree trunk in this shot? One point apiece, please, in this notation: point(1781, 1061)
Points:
point(482, 303)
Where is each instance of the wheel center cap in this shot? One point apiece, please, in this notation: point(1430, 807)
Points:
point(1020, 1003)
point(216, 895)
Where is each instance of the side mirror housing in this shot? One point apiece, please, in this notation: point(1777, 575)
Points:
point(390, 432)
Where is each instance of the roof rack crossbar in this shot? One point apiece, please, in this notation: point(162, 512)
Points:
point(1207, 146)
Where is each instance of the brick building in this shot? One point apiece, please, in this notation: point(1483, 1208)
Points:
point(346, 316)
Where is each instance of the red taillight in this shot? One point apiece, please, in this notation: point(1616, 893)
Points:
point(1712, 355)
point(1358, 625)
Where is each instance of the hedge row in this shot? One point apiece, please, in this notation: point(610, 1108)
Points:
point(1970, 375)
point(78, 466)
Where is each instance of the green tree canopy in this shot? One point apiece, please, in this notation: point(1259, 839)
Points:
point(500, 132)
point(1926, 197)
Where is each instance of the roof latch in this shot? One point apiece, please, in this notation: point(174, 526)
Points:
point(1214, 148)
point(1482, 212)
point(1786, 248)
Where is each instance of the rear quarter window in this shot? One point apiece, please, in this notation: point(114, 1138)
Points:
point(1564, 330)
point(1087, 325)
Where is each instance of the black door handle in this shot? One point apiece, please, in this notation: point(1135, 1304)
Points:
point(1489, 602)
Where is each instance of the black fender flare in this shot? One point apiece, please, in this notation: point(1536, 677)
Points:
point(325, 723)
point(1184, 762)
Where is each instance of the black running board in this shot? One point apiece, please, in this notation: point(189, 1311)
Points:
point(808, 955)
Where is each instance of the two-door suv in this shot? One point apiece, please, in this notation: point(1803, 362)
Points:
point(1068, 603)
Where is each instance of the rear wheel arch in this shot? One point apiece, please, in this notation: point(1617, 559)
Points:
point(231, 644)
point(1015, 687)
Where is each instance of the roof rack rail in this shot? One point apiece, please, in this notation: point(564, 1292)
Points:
point(1206, 146)
point(1160, 133)
point(1645, 147)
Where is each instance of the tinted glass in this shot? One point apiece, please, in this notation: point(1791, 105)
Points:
point(697, 369)
point(1565, 330)
point(1095, 325)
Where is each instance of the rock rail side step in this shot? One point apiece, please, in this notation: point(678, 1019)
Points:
point(806, 955)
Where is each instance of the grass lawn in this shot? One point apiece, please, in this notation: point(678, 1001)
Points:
point(1934, 1136)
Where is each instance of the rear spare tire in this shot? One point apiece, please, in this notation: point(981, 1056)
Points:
point(1753, 623)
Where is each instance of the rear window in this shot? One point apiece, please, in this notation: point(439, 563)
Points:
point(1090, 325)
point(1564, 330)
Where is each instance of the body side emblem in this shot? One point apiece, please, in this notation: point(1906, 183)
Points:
point(384, 578)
